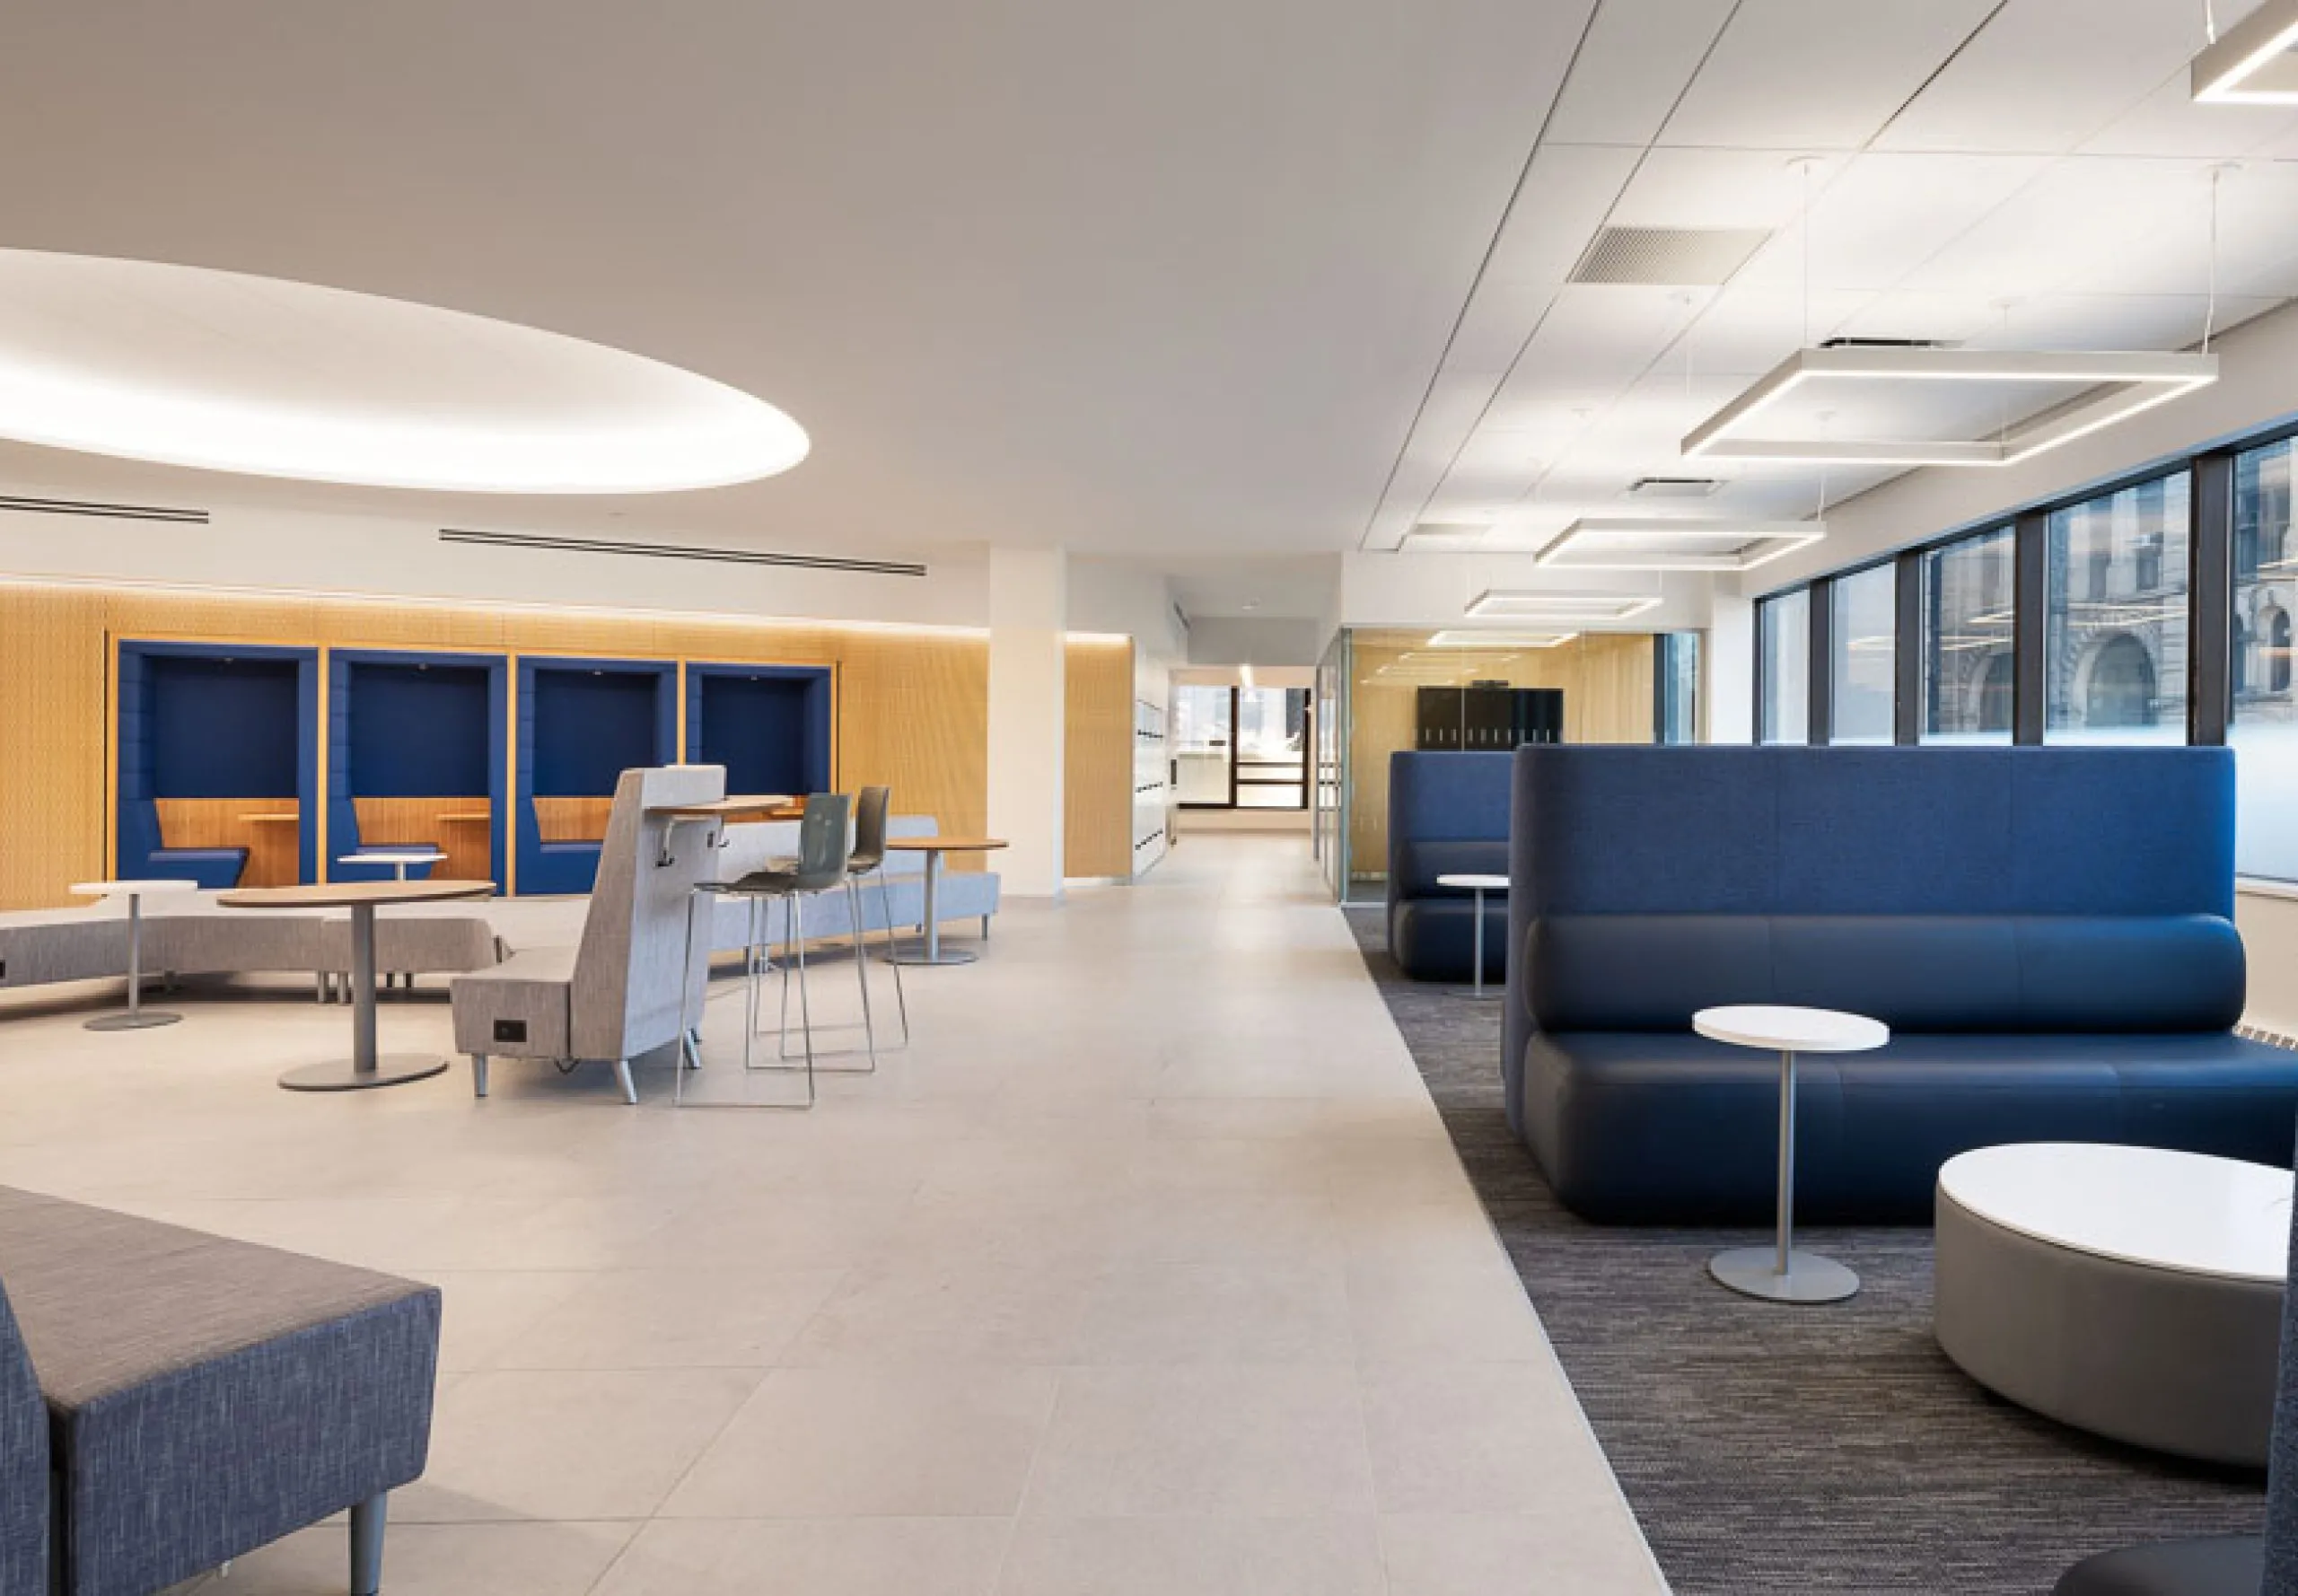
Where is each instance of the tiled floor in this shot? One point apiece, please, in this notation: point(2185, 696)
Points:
point(1147, 1270)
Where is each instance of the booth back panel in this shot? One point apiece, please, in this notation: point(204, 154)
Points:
point(417, 743)
point(433, 821)
point(581, 723)
point(222, 728)
point(769, 727)
point(417, 731)
point(572, 819)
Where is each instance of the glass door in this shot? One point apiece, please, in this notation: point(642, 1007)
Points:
point(1204, 743)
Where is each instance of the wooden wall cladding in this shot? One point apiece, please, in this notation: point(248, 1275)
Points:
point(269, 829)
point(415, 822)
point(912, 706)
point(573, 820)
point(1607, 682)
point(1097, 809)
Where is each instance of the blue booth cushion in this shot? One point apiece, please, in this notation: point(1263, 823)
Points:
point(214, 869)
point(1448, 815)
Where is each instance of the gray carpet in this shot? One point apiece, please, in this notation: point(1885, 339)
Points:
point(1767, 1449)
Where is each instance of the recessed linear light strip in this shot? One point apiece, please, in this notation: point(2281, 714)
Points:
point(108, 511)
point(1640, 543)
point(1536, 605)
point(2133, 382)
point(1471, 638)
point(2253, 64)
point(679, 552)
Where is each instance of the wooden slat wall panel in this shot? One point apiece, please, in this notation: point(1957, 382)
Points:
point(411, 822)
point(1096, 761)
point(272, 845)
point(1607, 682)
point(912, 707)
point(573, 820)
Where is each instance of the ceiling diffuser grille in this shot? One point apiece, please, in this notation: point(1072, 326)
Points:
point(1668, 257)
point(680, 551)
point(104, 512)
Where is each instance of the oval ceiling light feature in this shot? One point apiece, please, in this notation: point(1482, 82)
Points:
point(223, 371)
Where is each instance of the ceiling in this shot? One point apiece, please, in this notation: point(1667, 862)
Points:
point(1213, 279)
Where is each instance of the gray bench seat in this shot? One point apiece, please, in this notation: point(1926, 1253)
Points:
point(206, 1396)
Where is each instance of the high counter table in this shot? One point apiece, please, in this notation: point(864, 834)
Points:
point(933, 847)
point(364, 1069)
point(136, 1017)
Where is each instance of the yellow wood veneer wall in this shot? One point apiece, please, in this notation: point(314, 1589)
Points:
point(1096, 760)
point(911, 706)
point(1607, 682)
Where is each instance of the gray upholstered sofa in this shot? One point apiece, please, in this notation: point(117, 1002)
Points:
point(169, 1400)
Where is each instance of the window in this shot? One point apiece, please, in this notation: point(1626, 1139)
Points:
point(1862, 629)
point(1784, 637)
point(1272, 748)
point(1675, 704)
point(1969, 663)
point(1201, 745)
point(2116, 641)
point(2264, 726)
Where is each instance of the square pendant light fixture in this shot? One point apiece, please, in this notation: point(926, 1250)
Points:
point(1538, 605)
point(1647, 543)
point(1470, 637)
point(2126, 385)
point(2255, 64)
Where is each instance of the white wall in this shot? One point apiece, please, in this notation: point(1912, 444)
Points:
point(1029, 604)
point(1245, 640)
point(2268, 921)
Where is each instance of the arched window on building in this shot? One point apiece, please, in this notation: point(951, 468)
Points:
point(2274, 626)
point(1995, 689)
point(2239, 676)
point(2120, 689)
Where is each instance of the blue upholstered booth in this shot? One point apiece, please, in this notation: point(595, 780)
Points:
point(581, 723)
point(1448, 815)
point(209, 720)
point(768, 724)
point(404, 725)
point(2048, 932)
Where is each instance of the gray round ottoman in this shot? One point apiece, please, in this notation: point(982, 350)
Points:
point(2128, 1290)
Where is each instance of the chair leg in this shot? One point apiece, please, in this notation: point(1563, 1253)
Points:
point(794, 925)
point(629, 1085)
point(984, 928)
point(479, 1074)
point(805, 1009)
point(367, 1546)
point(893, 954)
point(861, 968)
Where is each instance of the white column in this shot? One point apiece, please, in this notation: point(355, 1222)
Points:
point(1029, 623)
point(1728, 668)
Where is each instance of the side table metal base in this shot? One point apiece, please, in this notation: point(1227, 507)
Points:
point(393, 1069)
point(1754, 1271)
point(914, 955)
point(132, 1020)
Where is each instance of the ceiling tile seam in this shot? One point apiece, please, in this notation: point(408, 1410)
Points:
point(1476, 280)
point(1452, 464)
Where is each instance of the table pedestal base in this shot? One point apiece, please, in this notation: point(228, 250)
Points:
point(1754, 1271)
point(915, 954)
point(344, 1075)
point(134, 1020)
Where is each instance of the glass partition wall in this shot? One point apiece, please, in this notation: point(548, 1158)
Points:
point(2157, 610)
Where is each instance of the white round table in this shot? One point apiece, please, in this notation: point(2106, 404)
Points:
point(136, 1017)
point(1479, 885)
point(2133, 1292)
point(1780, 1274)
point(398, 859)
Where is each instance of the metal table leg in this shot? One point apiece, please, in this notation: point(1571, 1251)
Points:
point(933, 952)
point(1778, 1273)
point(365, 1068)
point(136, 1017)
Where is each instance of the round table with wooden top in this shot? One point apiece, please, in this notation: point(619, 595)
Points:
point(933, 847)
point(365, 1068)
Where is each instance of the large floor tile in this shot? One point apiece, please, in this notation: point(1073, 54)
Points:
point(918, 1311)
point(1218, 1313)
point(1480, 1438)
point(1201, 1556)
point(1256, 1442)
point(875, 1443)
point(673, 1318)
point(535, 1559)
point(1587, 1553)
point(568, 1444)
point(878, 1556)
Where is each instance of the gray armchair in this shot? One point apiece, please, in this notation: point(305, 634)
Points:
point(619, 993)
point(23, 1466)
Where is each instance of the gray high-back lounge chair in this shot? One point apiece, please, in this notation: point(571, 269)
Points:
point(618, 994)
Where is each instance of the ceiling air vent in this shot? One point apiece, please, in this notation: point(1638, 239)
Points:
point(1672, 487)
point(1885, 344)
point(1668, 257)
point(105, 512)
point(680, 551)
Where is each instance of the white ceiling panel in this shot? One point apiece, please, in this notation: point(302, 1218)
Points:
point(1818, 74)
point(2046, 74)
point(2257, 205)
point(1684, 188)
point(2079, 220)
point(2111, 321)
point(1636, 59)
point(1884, 213)
point(1752, 326)
point(1566, 193)
point(2168, 122)
point(1500, 318)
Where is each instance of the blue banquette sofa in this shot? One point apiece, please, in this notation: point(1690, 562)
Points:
point(1448, 814)
point(2047, 930)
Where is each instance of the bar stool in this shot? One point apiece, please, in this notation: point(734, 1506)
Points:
point(823, 849)
point(868, 859)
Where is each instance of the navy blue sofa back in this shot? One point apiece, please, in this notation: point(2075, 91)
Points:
point(1448, 815)
point(2047, 910)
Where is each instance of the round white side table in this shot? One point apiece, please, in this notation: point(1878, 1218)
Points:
point(1780, 1274)
point(135, 1016)
point(1479, 885)
point(398, 859)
